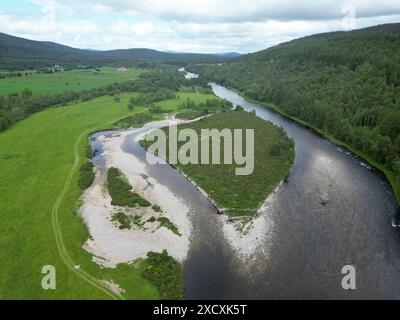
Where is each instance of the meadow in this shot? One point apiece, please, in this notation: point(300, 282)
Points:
point(36, 157)
point(72, 81)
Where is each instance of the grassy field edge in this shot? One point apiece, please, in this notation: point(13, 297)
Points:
point(57, 228)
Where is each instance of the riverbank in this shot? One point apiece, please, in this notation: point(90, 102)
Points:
point(252, 237)
point(388, 174)
point(111, 245)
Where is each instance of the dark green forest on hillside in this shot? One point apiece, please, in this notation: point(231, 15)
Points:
point(21, 54)
point(347, 84)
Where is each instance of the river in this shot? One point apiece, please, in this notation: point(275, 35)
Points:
point(311, 242)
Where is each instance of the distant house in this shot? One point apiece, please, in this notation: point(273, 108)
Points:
point(56, 68)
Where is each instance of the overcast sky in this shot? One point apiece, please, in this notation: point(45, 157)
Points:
point(207, 26)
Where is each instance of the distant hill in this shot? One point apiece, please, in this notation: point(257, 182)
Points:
point(19, 54)
point(228, 54)
point(346, 84)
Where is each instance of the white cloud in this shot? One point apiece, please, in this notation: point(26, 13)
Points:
point(145, 29)
point(53, 7)
point(207, 26)
point(252, 10)
point(41, 28)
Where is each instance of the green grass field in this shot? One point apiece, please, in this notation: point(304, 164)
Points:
point(74, 81)
point(36, 157)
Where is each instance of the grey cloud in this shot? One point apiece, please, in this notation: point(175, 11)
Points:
point(253, 11)
point(119, 30)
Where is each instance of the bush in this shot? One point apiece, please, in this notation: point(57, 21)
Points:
point(153, 109)
point(122, 219)
point(120, 191)
point(86, 175)
point(136, 121)
point(166, 275)
point(282, 145)
point(166, 223)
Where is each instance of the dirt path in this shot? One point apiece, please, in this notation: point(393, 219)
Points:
point(62, 250)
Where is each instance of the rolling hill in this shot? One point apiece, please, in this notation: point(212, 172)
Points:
point(20, 54)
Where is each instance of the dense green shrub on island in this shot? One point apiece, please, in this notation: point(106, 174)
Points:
point(121, 191)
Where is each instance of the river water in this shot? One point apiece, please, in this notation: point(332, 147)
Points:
point(311, 242)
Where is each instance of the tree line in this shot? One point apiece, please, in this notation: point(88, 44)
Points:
point(150, 98)
point(18, 106)
point(153, 86)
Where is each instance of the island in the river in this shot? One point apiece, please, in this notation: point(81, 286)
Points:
point(233, 194)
